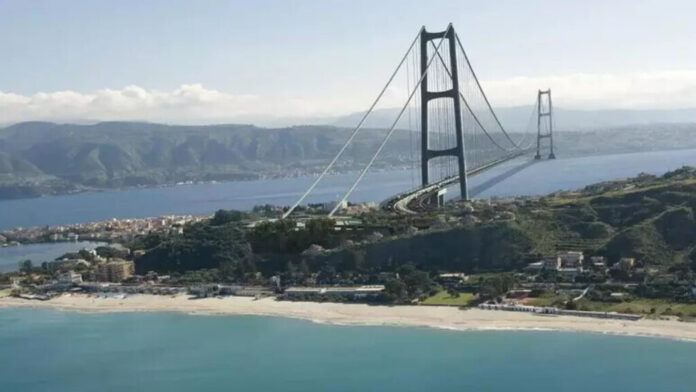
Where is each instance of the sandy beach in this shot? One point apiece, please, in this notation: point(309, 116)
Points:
point(360, 314)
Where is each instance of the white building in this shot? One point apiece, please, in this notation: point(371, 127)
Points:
point(571, 259)
point(354, 292)
point(551, 263)
point(70, 277)
point(456, 277)
point(341, 204)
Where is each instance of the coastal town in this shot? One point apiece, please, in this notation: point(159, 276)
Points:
point(111, 230)
point(347, 195)
point(114, 277)
point(536, 257)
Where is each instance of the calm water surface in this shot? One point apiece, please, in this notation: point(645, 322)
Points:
point(45, 350)
point(519, 177)
point(38, 253)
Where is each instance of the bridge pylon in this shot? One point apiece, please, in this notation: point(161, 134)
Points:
point(544, 122)
point(453, 93)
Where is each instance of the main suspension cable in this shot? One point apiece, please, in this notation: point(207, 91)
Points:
point(475, 117)
point(391, 129)
point(357, 128)
point(483, 93)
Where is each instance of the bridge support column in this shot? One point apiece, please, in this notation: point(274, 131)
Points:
point(453, 93)
point(544, 116)
point(438, 198)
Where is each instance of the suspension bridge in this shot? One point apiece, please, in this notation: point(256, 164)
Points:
point(460, 133)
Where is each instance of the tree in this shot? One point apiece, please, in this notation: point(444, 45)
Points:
point(107, 252)
point(395, 291)
point(496, 286)
point(222, 217)
point(26, 265)
point(285, 236)
point(417, 282)
point(326, 275)
point(235, 268)
point(452, 292)
point(303, 269)
point(202, 246)
point(682, 271)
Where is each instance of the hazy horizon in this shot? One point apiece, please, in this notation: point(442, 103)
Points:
point(274, 61)
point(512, 117)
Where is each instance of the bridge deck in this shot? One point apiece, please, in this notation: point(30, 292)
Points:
point(402, 203)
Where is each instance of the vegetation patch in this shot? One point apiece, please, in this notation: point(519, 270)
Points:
point(445, 298)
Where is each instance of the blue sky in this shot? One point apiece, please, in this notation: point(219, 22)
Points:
point(330, 57)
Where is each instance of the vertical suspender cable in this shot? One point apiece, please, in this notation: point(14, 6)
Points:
point(410, 127)
point(391, 130)
point(466, 103)
point(355, 131)
point(485, 98)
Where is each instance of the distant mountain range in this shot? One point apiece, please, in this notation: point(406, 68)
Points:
point(516, 118)
point(513, 118)
point(35, 156)
point(38, 158)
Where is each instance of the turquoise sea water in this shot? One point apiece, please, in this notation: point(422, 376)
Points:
point(46, 350)
point(38, 253)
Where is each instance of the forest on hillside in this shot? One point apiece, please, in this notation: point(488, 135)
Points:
point(40, 158)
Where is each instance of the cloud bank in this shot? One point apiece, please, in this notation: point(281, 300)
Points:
point(194, 103)
point(638, 90)
point(189, 102)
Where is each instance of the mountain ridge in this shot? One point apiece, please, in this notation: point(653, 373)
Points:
point(38, 158)
point(512, 117)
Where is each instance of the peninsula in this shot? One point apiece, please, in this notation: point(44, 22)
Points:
point(616, 257)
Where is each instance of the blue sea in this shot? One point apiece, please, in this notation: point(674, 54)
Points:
point(45, 350)
point(38, 253)
point(519, 177)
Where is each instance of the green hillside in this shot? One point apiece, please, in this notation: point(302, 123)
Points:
point(116, 154)
point(43, 158)
point(648, 218)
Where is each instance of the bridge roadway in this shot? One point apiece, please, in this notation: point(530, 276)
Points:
point(414, 200)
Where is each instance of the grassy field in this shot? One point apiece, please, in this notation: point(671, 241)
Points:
point(637, 306)
point(642, 306)
point(443, 298)
point(548, 300)
point(562, 200)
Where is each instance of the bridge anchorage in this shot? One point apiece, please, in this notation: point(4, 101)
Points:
point(460, 133)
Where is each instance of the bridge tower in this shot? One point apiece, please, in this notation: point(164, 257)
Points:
point(544, 122)
point(426, 96)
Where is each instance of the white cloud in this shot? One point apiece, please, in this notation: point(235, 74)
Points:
point(186, 104)
point(637, 90)
point(193, 103)
point(189, 102)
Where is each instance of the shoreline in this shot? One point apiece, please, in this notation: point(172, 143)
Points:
point(277, 176)
point(438, 317)
point(311, 174)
